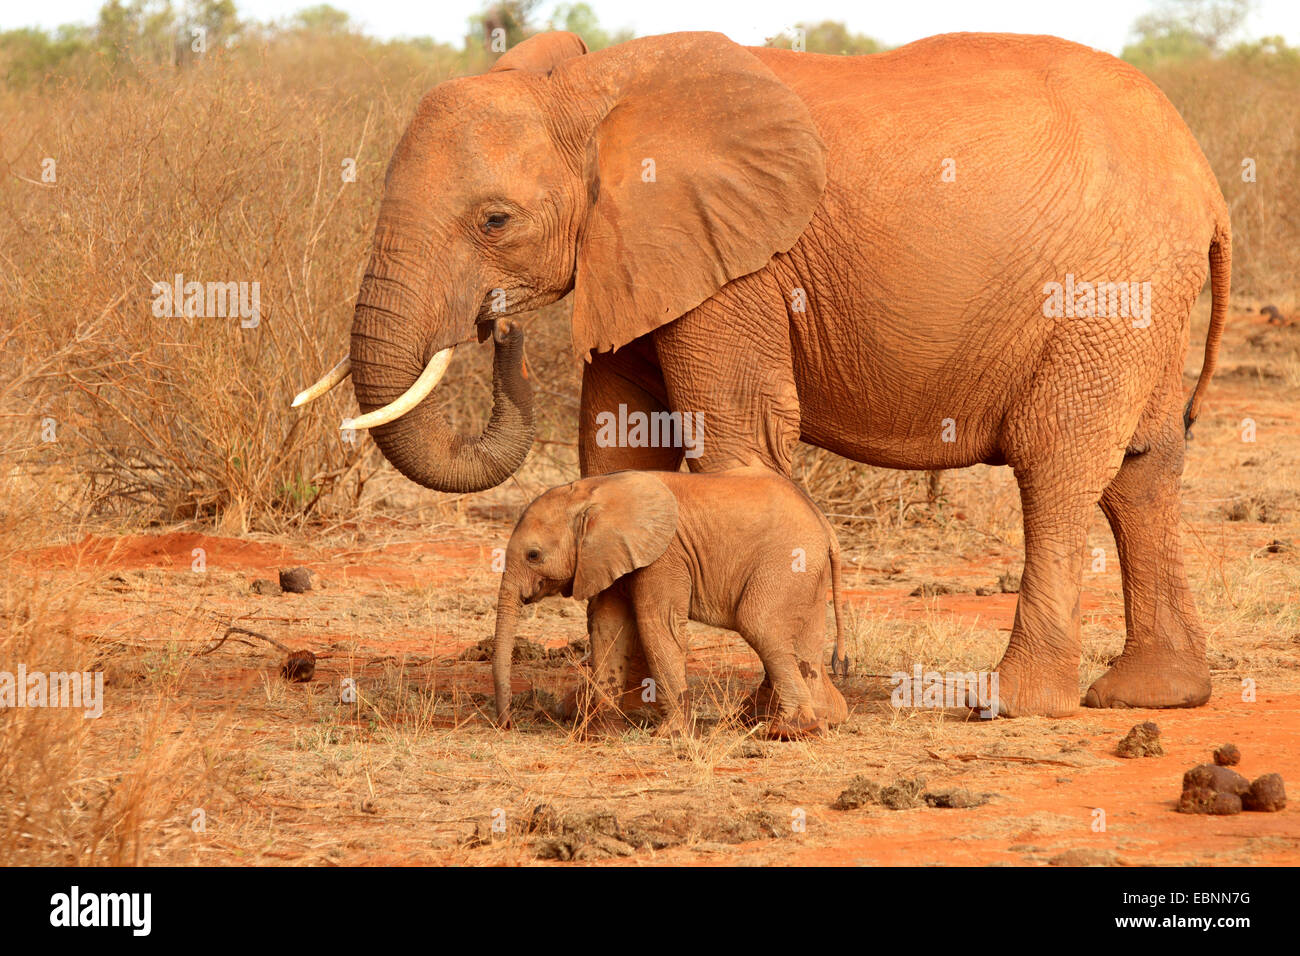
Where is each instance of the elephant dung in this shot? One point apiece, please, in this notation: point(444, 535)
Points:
point(295, 580)
point(902, 794)
point(523, 651)
point(1205, 800)
point(1227, 756)
point(1267, 794)
point(1143, 740)
point(956, 799)
point(1212, 789)
point(299, 667)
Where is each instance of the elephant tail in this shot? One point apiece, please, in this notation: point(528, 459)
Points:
point(840, 662)
point(1220, 281)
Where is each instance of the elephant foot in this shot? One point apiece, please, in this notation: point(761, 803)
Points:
point(1021, 693)
point(1133, 682)
point(797, 726)
point(828, 705)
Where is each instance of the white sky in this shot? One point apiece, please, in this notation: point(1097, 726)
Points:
point(1103, 24)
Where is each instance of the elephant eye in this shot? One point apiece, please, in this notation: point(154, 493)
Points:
point(495, 222)
point(533, 555)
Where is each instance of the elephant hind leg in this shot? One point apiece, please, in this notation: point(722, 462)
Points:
point(1163, 663)
point(1061, 474)
point(784, 700)
point(1039, 671)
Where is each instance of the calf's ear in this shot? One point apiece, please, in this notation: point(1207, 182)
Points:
point(626, 523)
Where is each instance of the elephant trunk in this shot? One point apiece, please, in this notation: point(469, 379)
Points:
point(422, 444)
point(508, 602)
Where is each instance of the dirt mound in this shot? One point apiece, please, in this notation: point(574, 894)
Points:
point(526, 651)
point(904, 794)
point(601, 835)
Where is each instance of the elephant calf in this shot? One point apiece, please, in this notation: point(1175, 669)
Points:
point(743, 549)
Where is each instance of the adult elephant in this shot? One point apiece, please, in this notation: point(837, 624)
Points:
point(901, 258)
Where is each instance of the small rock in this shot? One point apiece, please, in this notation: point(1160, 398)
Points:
point(1142, 740)
point(1278, 546)
point(295, 580)
point(1227, 756)
point(263, 586)
point(1009, 583)
point(1267, 795)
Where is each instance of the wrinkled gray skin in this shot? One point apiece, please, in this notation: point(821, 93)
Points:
point(742, 549)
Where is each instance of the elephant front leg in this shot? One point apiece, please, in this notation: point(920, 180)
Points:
point(661, 616)
point(613, 685)
point(728, 366)
point(619, 384)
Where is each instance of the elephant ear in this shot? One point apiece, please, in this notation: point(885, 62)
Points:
point(629, 521)
point(541, 52)
point(704, 166)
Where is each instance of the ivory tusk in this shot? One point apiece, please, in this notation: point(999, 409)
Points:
point(330, 379)
point(429, 378)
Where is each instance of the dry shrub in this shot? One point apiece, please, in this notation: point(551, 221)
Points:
point(227, 172)
point(71, 793)
point(1241, 109)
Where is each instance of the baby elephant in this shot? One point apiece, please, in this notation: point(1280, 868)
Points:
point(743, 549)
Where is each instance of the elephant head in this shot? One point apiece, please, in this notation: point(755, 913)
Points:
point(642, 178)
point(577, 540)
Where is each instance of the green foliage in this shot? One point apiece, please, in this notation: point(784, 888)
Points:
point(1268, 52)
point(829, 36)
point(1185, 30)
point(579, 18)
point(323, 18)
point(28, 56)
